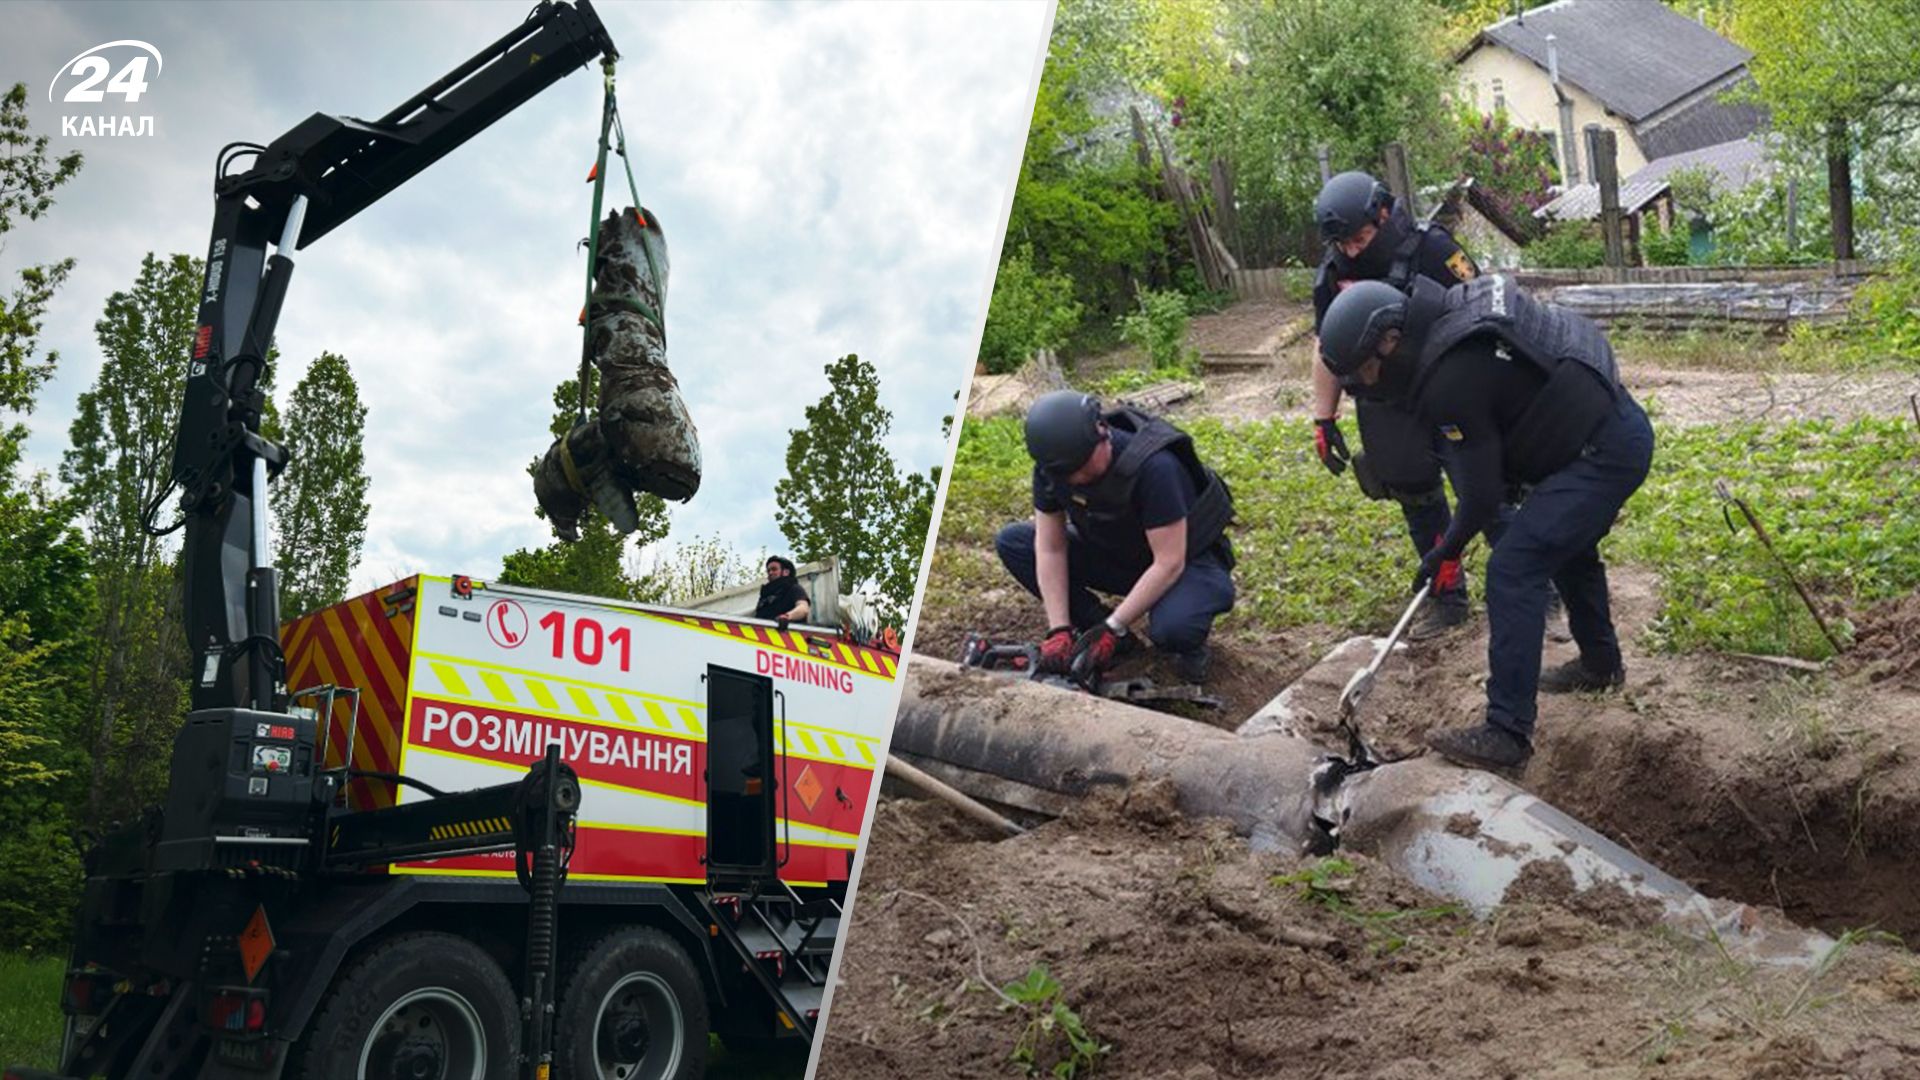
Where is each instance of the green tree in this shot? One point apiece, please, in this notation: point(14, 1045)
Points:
point(320, 501)
point(597, 563)
point(1839, 75)
point(1352, 76)
point(844, 496)
point(1083, 204)
point(118, 463)
point(28, 179)
point(46, 597)
point(1030, 311)
point(700, 567)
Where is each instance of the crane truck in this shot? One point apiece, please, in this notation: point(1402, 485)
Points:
point(451, 828)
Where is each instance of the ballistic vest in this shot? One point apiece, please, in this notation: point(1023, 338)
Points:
point(1103, 512)
point(1568, 349)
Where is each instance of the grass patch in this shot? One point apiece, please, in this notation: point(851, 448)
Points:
point(1326, 882)
point(30, 1018)
point(31, 1024)
point(1836, 498)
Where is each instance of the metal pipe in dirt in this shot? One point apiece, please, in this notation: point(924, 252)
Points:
point(1462, 834)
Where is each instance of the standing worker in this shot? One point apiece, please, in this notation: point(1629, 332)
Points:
point(1523, 392)
point(1122, 504)
point(1370, 237)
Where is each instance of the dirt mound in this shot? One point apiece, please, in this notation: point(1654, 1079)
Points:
point(1187, 956)
point(1886, 645)
point(1747, 781)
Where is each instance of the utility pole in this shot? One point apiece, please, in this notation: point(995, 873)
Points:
point(1600, 150)
point(1399, 180)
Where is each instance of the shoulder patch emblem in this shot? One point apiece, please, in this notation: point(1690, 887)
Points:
point(1451, 432)
point(1461, 266)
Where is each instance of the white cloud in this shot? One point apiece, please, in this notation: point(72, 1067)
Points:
point(830, 179)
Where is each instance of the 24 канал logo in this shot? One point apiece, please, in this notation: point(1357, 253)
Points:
point(114, 69)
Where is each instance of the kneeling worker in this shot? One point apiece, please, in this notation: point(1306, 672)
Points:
point(1526, 393)
point(1121, 504)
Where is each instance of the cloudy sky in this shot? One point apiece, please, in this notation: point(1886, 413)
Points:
point(831, 179)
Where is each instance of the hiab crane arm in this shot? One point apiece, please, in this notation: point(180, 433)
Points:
point(300, 187)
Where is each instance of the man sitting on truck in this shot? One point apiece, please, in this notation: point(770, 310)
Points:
point(781, 598)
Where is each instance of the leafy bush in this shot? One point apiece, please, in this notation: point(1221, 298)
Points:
point(1030, 311)
point(1883, 325)
point(1158, 327)
point(1887, 307)
point(1569, 245)
point(1664, 247)
point(1750, 225)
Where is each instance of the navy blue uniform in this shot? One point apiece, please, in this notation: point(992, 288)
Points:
point(1400, 449)
point(1474, 400)
point(1162, 495)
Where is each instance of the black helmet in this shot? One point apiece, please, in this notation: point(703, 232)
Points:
point(1346, 202)
point(1063, 428)
point(1350, 332)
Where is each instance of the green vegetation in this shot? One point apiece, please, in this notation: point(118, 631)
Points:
point(1567, 245)
point(1327, 882)
point(1049, 1023)
point(1834, 498)
point(1158, 327)
point(1030, 311)
point(1314, 553)
point(30, 1019)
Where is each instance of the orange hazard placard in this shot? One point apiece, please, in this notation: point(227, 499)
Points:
point(808, 788)
point(256, 943)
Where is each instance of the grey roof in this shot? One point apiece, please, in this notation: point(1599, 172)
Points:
point(1704, 122)
point(1734, 164)
point(1636, 56)
point(1582, 201)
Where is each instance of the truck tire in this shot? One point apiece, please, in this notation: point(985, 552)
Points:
point(419, 1006)
point(633, 1008)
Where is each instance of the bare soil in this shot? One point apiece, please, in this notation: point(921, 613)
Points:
point(1785, 790)
point(1748, 781)
point(1177, 949)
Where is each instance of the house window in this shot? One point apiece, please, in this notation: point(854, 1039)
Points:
point(1499, 96)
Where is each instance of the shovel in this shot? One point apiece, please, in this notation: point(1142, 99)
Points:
point(1361, 684)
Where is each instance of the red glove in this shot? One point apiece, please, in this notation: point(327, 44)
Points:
point(1329, 445)
point(1093, 652)
point(1056, 651)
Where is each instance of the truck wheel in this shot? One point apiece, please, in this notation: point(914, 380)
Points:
point(422, 1006)
point(634, 1009)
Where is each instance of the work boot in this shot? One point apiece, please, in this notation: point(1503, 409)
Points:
point(1483, 747)
point(1191, 666)
point(1575, 677)
point(1439, 615)
point(1557, 617)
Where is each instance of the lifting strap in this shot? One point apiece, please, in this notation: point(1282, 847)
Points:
point(614, 133)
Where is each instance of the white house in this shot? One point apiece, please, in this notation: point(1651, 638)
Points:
point(1637, 67)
